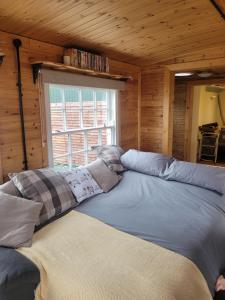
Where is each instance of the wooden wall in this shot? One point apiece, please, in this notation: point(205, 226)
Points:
point(153, 97)
point(179, 120)
point(10, 133)
point(152, 111)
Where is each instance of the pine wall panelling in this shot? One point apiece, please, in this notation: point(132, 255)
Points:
point(152, 111)
point(10, 133)
point(154, 98)
point(179, 120)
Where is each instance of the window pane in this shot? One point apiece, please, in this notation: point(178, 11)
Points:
point(101, 117)
point(71, 95)
point(73, 119)
point(55, 94)
point(92, 138)
point(77, 141)
point(88, 99)
point(100, 95)
point(101, 104)
point(78, 159)
point(87, 94)
point(88, 118)
point(88, 105)
point(61, 163)
point(57, 120)
point(91, 156)
point(107, 136)
point(60, 145)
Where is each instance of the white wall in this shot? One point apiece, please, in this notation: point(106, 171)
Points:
point(205, 110)
point(208, 107)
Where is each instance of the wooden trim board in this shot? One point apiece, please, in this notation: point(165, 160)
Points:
point(168, 100)
point(169, 83)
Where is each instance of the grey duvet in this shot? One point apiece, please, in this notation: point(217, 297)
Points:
point(183, 218)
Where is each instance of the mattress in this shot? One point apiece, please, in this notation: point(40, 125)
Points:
point(183, 218)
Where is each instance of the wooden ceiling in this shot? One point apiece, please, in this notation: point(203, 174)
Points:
point(139, 32)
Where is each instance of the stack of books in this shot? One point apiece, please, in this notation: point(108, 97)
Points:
point(87, 60)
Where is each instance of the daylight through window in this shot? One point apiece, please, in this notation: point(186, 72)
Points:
point(78, 119)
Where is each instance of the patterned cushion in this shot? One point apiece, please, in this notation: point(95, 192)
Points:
point(81, 183)
point(111, 156)
point(48, 187)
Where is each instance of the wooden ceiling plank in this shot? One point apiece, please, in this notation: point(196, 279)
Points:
point(118, 28)
point(157, 27)
point(116, 16)
point(59, 19)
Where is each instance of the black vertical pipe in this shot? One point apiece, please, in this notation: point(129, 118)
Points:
point(17, 43)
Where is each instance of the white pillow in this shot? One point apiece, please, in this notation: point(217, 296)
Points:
point(82, 184)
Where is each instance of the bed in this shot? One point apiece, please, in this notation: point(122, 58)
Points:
point(186, 219)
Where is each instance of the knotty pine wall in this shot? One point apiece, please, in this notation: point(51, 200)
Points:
point(10, 132)
point(152, 111)
point(152, 97)
point(179, 120)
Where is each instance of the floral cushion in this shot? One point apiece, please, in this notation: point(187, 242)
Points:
point(82, 184)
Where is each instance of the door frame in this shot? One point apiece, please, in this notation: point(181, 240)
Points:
point(168, 99)
point(189, 110)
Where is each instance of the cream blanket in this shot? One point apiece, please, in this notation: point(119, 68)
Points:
point(80, 257)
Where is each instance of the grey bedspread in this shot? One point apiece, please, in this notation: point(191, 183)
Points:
point(183, 218)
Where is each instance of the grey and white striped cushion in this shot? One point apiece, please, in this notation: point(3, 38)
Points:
point(48, 187)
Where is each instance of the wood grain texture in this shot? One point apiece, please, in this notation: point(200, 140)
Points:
point(10, 132)
point(168, 102)
point(139, 32)
point(179, 120)
point(152, 111)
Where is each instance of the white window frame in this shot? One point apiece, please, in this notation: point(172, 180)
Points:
point(114, 127)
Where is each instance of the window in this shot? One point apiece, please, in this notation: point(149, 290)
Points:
point(77, 119)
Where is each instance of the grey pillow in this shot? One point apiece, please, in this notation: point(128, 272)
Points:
point(209, 177)
point(105, 178)
point(110, 154)
point(18, 217)
point(48, 187)
point(10, 188)
point(146, 162)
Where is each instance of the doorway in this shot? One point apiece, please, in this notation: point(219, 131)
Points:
point(199, 120)
point(208, 124)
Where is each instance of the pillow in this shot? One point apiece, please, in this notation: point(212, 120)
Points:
point(145, 162)
point(209, 177)
point(48, 187)
point(81, 183)
point(10, 188)
point(111, 156)
point(104, 177)
point(18, 217)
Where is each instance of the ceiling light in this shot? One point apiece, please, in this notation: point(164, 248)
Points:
point(205, 74)
point(183, 74)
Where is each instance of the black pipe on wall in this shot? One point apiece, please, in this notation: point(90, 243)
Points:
point(17, 43)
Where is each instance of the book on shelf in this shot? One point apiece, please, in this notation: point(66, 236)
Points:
point(87, 60)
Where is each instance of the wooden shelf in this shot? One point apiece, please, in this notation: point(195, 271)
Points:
point(37, 65)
